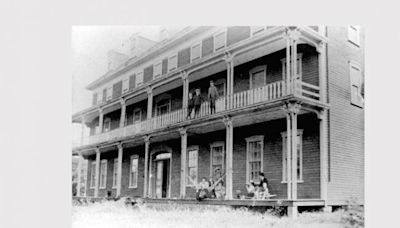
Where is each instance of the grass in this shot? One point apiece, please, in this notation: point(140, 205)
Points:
point(116, 214)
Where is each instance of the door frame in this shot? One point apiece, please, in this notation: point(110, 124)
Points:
point(152, 178)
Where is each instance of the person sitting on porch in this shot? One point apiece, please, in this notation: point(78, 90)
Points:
point(220, 190)
point(211, 189)
point(262, 191)
point(250, 187)
point(202, 189)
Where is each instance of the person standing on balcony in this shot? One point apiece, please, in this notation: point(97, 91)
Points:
point(212, 96)
point(197, 100)
point(190, 105)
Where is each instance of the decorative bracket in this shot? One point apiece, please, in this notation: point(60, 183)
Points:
point(183, 131)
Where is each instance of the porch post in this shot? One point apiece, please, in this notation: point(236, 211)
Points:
point(323, 145)
point(183, 133)
point(97, 171)
point(294, 109)
point(146, 165)
point(288, 57)
point(185, 93)
point(149, 106)
point(123, 113)
point(100, 120)
point(119, 169)
point(294, 36)
point(78, 186)
point(288, 153)
point(321, 49)
point(229, 79)
point(229, 155)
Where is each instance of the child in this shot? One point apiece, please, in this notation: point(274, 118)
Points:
point(202, 189)
point(250, 190)
point(197, 100)
point(220, 190)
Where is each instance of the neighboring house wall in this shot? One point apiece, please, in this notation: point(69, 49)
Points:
point(346, 121)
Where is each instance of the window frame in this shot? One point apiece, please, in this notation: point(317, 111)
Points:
point(357, 31)
point(168, 105)
point(109, 93)
point(256, 70)
point(131, 158)
point(99, 97)
point(359, 103)
point(92, 183)
point(255, 138)
point(299, 156)
point(299, 64)
point(103, 162)
point(175, 66)
point(138, 82)
point(108, 121)
point(134, 111)
point(115, 173)
point(225, 40)
point(191, 51)
point(189, 149)
point(155, 73)
point(125, 85)
point(213, 145)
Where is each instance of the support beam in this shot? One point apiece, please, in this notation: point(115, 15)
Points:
point(101, 115)
point(229, 79)
point(185, 86)
point(183, 133)
point(294, 109)
point(149, 102)
point(119, 169)
point(78, 186)
point(123, 113)
point(288, 68)
point(146, 166)
point(323, 145)
point(321, 49)
point(97, 172)
point(288, 154)
point(292, 211)
point(229, 157)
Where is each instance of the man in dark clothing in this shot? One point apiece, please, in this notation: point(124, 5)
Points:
point(263, 181)
point(190, 105)
point(212, 96)
point(197, 100)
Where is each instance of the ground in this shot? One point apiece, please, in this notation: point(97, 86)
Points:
point(116, 214)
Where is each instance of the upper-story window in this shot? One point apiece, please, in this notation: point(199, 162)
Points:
point(258, 76)
point(298, 66)
point(125, 85)
point(137, 115)
point(107, 124)
point(163, 106)
point(109, 93)
point(255, 151)
point(103, 173)
point(217, 159)
point(196, 52)
point(354, 34)
point(356, 84)
point(139, 78)
point(99, 98)
point(299, 156)
point(257, 29)
point(172, 62)
point(219, 40)
point(157, 70)
point(220, 85)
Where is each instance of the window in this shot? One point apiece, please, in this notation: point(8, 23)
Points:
point(172, 62)
point(133, 173)
point(196, 52)
point(109, 93)
point(139, 79)
point(103, 174)
point(258, 77)
point(356, 85)
point(115, 173)
point(93, 174)
point(137, 115)
point(298, 65)
point(219, 41)
point(256, 30)
point(192, 167)
point(217, 159)
point(125, 85)
point(107, 124)
point(354, 34)
point(299, 156)
point(157, 70)
point(255, 151)
point(163, 107)
point(220, 88)
point(99, 98)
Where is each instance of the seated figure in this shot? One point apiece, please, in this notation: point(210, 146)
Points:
point(250, 187)
point(220, 190)
point(202, 189)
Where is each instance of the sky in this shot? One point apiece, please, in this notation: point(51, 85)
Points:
point(90, 45)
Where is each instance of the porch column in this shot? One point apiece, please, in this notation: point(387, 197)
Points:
point(185, 93)
point(97, 172)
point(123, 113)
point(146, 165)
point(288, 68)
point(183, 133)
point(321, 49)
point(294, 36)
point(229, 155)
point(100, 120)
point(323, 147)
point(149, 106)
point(229, 79)
point(288, 153)
point(78, 186)
point(119, 169)
point(294, 109)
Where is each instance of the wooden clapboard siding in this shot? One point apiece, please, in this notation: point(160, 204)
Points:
point(147, 74)
point(207, 46)
point(236, 34)
point(346, 121)
point(117, 90)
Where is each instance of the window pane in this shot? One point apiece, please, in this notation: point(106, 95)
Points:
point(193, 158)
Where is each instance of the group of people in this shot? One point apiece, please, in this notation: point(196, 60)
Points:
point(257, 191)
point(195, 100)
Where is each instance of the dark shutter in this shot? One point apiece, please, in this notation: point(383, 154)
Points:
point(184, 57)
point(164, 66)
point(117, 90)
point(207, 46)
point(237, 33)
point(94, 102)
point(104, 94)
point(148, 74)
point(132, 82)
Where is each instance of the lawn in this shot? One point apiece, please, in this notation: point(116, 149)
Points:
point(116, 214)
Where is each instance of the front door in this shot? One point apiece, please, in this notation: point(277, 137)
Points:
point(162, 178)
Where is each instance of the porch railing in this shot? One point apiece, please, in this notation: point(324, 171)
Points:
point(307, 90)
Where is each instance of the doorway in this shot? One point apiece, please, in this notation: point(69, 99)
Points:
point(163, 175)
